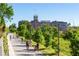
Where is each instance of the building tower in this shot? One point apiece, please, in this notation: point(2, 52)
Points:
point(35, 22)
point(35, 18)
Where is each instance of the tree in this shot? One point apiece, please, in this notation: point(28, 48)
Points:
point(48, 39)
point(72, 34)
point(21, 30)
point(25, 30)
point(30, 31)
point(38, 36)
point(25, 22)
point(49, 28)
point(65, 49)
point(75, 42)
point(49, 32)
point(12, 28)
point(6, 11)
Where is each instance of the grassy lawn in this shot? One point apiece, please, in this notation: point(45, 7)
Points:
point(46, 51)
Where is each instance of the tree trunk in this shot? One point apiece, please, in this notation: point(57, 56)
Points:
point(2, 26)
point(37, 46)
point(30, 42)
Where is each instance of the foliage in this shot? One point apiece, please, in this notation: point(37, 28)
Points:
point(72, 35)
point(65, 47)
point(38, 36)
point(25, 29)
point(47, 35)
point(12, 28)
point(6, 11)
point(22, 29)
point(48, 39)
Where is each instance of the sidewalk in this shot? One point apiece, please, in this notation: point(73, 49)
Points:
point(1, 48)
point(11, 51)
point(18, 48)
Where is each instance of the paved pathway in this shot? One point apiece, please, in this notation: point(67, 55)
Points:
point(19, 48)
point(0, 47)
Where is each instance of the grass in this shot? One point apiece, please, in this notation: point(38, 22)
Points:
point(33, 43)
point(46, 51)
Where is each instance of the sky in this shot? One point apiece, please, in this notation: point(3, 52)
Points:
point(46, 12)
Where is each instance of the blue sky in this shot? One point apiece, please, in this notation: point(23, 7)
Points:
point(51, 11)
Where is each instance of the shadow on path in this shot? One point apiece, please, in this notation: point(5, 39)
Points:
point(19, 45)
point(25, 54)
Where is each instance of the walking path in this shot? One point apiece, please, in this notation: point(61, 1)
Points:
point(1, 48)
point(18, 48)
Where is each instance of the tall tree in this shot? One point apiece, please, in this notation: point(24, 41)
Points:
point(6, 11)
point(25, 30)
point(30, 31)
point(49, 33)
point(72, 34)
point(38, 37)
point(48, 39)
point(12, 28)
point(21, 30)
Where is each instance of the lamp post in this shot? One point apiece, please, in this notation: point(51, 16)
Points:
point(30, 38)
point(58, 42)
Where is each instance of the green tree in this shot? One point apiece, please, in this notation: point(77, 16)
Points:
point(75, 43)
point(49, 32)
point(6, 11)
point(30, 31)
point(65, 49)
point(48, 39)
point(12, 28)
point(72, 34)
point(25, 30)
point(21, 30)
point(38, 36)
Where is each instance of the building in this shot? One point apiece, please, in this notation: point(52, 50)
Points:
point(45, 22)
point(62, 25)
point(35, 23)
